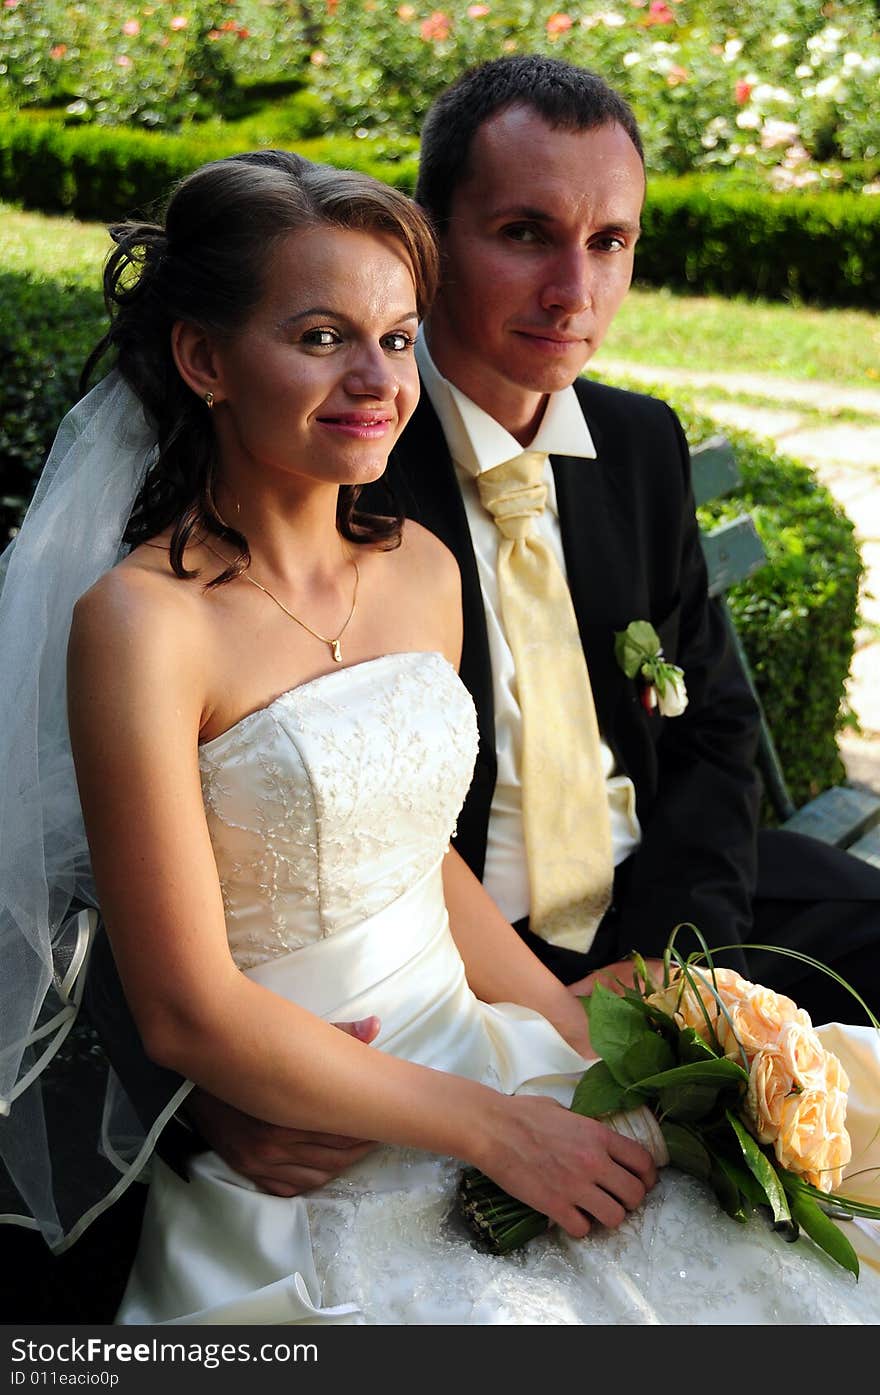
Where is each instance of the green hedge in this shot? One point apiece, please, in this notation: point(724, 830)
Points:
point(797, 616)
point(706, 234)
point(710, 235)
point(102, 173)
point(52, 327)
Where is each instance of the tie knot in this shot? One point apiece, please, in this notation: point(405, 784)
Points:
point(515, 493)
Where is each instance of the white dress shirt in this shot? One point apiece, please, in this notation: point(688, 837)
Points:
point(476, 443)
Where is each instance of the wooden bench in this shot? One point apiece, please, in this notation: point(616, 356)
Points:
point(845, 817)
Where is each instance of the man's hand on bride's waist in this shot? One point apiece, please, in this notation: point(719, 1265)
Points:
point(615, 976)
point(283, 1162)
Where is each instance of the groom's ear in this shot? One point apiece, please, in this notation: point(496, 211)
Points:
point(197, 360)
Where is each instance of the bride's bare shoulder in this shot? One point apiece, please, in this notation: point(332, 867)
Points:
point(140, 613)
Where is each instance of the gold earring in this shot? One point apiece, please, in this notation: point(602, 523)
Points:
point(209, 400)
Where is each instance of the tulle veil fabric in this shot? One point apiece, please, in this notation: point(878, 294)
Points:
point(72, 534)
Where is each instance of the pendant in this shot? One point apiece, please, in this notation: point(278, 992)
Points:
point(335, 651)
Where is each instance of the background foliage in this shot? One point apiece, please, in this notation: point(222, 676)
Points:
point(786, 91)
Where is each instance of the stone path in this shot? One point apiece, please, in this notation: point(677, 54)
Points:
point(801, 418)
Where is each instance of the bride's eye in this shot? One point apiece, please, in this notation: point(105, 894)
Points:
point(322, 338)
point(398, 341)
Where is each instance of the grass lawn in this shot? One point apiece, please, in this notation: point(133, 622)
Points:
point(653, 326)
point(52, 248)
point(745, 336)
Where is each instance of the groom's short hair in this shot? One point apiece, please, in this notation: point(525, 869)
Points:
point(566, 96)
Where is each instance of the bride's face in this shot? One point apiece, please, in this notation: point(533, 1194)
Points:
point(321, 380)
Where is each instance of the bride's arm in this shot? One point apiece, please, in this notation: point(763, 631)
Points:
point(500, 967)
point(136, 705)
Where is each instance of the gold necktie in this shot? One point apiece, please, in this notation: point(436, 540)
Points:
point(565, 801)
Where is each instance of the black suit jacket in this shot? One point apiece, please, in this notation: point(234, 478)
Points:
point(632, 553)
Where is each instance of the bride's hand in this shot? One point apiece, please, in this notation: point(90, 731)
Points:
point(570, 1168)
point(283, 1162)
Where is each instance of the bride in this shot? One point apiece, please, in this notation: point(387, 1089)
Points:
point(271, 746)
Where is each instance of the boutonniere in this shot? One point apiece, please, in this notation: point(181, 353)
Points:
point(639, 653)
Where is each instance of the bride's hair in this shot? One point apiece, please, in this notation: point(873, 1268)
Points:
point(206, 265)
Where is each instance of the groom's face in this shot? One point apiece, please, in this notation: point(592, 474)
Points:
point(538, 256)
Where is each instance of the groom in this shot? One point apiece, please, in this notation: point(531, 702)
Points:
point(533, 173)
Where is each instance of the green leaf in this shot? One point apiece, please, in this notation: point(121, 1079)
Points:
point(598, 1093)
point(725, 1187)
point(689, 1101)
point(615, 1027)
point(715, 1070)
point(691, 1047)
point(686, 1151)
point(824, 1232)
point(648, 1056)
point(632, 646)
point(762, 1169)
point(744, 1180)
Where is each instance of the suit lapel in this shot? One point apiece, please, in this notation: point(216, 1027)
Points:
point(590, 523)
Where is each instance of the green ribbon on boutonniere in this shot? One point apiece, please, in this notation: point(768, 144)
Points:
point(638, 651)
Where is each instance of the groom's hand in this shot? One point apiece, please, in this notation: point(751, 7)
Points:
point(283, 1162)
point(616, 976)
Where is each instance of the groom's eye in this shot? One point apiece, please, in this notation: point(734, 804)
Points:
point(521, 232)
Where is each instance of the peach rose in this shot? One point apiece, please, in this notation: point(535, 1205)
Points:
point(756, 1019)
point(680, 1001)
point(803, 1054)
point(813, 1140)
point(770, 1084)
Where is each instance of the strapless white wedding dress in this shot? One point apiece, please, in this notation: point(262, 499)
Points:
point(330, 811)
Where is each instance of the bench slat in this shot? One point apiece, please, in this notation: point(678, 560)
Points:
point(867, 847)
point(732, 551)
point(714, 470)
point(838, 816)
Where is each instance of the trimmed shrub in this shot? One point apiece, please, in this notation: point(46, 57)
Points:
point(708, 234)
point(101, 173)
point(796, 616)
point(52, 325)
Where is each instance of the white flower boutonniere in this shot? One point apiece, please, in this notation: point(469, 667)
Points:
point(639, 653)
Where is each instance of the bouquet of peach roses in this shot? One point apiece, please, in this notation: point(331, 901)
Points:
point(739, 1086)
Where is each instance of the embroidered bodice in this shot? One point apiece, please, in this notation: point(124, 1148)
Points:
point(330, 802)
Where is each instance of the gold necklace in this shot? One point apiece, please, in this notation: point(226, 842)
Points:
point(333, 644)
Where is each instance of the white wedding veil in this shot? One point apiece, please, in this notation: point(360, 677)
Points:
point(72, 534)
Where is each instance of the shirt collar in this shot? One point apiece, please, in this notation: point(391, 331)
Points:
point(477, 442)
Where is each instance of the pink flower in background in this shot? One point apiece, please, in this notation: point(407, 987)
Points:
point(123, 61)
point(178, 22)
point(406, 13)
point(57, 52)
point(742, 92)
point(317, 58)
point(436, 27)
point(676, 75)
point(10, 4)
point(131, 27)
point(659, 13)
point(558, 24)
point(478, 11)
